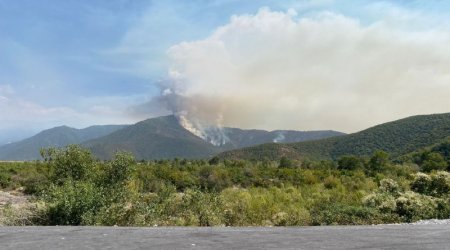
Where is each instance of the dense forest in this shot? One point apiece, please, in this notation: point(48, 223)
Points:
point(70, 187)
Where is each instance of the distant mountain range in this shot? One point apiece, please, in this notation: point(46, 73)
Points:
point(397, 138)
point(155, 138)
point(29, 148)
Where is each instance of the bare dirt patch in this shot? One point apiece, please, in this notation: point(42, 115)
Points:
point(12, 198)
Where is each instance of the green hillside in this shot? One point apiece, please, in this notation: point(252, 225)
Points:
point(397, 138)
point(164, 138)
point(156, 138)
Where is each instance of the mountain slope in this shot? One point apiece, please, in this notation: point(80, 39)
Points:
point(164, 137)
point(239, 138)
point(29, 148)
point(156, 138)
point(397, 138)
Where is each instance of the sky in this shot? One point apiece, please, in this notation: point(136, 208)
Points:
point(269, 64)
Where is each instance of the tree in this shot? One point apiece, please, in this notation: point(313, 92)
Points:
point(119, 169)
point(432, 161)
point(214, 161)
point(71, 162)
point(379, 160)
point(285, 163)
point(350, 162)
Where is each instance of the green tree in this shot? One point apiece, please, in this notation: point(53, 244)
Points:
point(119, 169)
point(71, 162)
point(214, 161)
point(379, 161)
point(432, 161)
point(73, 202)
point(350, 162)
point(285, 162)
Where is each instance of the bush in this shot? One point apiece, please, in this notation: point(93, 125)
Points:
point(331, 182)
point(440, 184)
point(119, 169)
point(343, 214)
point(433, 161)
point(285, 163)
point(384, 202)
point(202, 209)
point(412, 207)
point(73, 203)
point(389, 186)
point(72, 162)
point(437, 184)
point(421, 183)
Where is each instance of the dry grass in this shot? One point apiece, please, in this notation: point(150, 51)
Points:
point(17, 209)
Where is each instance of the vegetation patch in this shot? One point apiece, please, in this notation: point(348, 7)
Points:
point(71, 187)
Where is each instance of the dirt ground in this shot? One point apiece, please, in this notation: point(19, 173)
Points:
point(13, 198)
point(16, 209)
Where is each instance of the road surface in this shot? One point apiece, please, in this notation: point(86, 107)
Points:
point(330, 237)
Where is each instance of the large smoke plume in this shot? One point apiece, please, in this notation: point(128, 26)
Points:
point(274, 70)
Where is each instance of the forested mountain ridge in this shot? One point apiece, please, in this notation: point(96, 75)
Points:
point(155, 138)
point(397, 138)
point(164, 138)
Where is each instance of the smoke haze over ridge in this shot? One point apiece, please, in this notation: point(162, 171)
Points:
point(293, 65)
point(275, 70)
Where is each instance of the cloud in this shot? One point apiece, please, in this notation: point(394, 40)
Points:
point(19, 114)
point(277, 70)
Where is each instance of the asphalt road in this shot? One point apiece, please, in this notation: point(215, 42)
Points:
point(333, 237)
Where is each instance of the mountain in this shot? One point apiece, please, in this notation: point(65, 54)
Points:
point(240, 138)
point(156, 138)
point(9, 135)
point(397, 138)
point(28, 149)
point(164, 137)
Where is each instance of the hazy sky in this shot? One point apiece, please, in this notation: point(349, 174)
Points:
point(343, 65)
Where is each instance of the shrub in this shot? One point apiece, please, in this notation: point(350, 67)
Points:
point(202, 209)
point(412, 206)
point(433, 161)
point(72, 162)
point(343, 214)
point(384, 202)
point(285, 163)
point(5, 180)
point(437, 184)
point(331, 182)
point(389, 186)
point(440, 184)
point(421, 183)
point(73, 202)
point(119, 169)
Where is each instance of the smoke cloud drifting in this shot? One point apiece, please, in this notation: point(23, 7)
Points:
point(275, 70)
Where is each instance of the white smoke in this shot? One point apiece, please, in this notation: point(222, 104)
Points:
point(280, 137)
point(273, 70)
point(213, 134)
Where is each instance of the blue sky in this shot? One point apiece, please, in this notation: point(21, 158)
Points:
point(82, 62)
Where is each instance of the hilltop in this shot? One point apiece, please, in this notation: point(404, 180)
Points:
point(397, 138)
